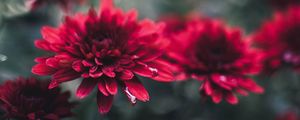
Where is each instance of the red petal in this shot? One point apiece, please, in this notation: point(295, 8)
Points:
point(111, 86)
point(86, 87)
point(230, 98)
point(40, 59)
point(102, 87)
point(164, 73)
point(217, 96)
point(96, 74)
point(242, 92)
point(65, 75)
point(136, 88)
point(207, 88)
point(147, 55)
point(104, 102)
point(51, 35)
point(126, 75)
point(42, 69)
point(42, 44)
point(250, 85)
point(109, 71)
point(144, 70)
point(77, 66)
point(220, 81)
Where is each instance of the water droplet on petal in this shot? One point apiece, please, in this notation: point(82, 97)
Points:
point(154, 71)
point(131, 97)
point(223, 78)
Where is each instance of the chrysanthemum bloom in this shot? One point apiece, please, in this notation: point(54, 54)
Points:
point(217, 56)
point(288, 116)
point(30, 99)
point(279, 39)
point(283, 4)
point(64, 4)
point(107, 51)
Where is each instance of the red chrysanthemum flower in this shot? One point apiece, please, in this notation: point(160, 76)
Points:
point(30, 99)
point(283, 4)
point(217, 56)
point(106, 51)
point(279, 39)
point(288, 116)
point(64, 4)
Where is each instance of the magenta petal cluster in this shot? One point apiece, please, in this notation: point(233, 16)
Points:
point(106, 49)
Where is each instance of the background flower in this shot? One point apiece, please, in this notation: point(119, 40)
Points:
point(279, 40)
point(30, 99)
point(217, 56)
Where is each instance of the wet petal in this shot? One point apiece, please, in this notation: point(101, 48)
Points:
point(144, 70)
point(136, 88)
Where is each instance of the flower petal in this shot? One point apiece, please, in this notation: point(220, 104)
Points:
point(164, 73)
point(126, 75)
point(217, 96)
point(104, 102)
point(109, 71)
point(231, 98)
point(136, 88)
point(111, 86)
point(86, 87)
point(42, 69)
point(102, 87)
point(144, 70)
point(207, 87)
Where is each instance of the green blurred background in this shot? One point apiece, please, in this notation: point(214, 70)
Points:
point(19, 27)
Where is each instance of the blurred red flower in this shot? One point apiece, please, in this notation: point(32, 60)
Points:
point(106, 51)
point(288, 116)
point(208, 51)
point(64, 4)
point(279, 39)
point(30, 99)
point(283, 4)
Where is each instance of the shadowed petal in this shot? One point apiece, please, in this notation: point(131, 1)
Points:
point(86, 87)
point(102, 87)
point(104, 102)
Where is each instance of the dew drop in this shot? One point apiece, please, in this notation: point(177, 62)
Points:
point(131, 97)
point(154, 71)
point(223, 78)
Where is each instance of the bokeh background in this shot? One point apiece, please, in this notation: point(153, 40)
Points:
point(19, 27)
